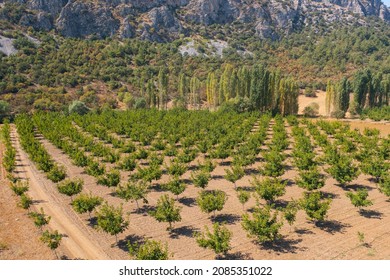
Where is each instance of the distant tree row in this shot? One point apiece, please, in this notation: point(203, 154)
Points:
point(369, 91)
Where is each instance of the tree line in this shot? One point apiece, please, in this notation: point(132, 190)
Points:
point(369, 90)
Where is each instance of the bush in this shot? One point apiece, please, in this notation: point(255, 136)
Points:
point(140, 103)
point(314, 206)
point(71, 187)
point(218, 241)
point(166, 211)
point(338, 114)
point(264, 225)
point(78, 107)
point(211, 201)
point(57, 173)
point(150, 250)
point(312, 110)
point(110, 179)
point(269, 189)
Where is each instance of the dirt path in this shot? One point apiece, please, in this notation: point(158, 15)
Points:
point(19, 238)
point(77, 241)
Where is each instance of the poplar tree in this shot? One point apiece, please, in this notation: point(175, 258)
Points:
point(195, 91)
point(163, 81)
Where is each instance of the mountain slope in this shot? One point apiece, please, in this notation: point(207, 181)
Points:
point(165, 20)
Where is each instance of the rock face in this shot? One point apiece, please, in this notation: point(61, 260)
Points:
point(82, 19)
point(162, 20)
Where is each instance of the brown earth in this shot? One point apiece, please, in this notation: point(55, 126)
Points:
point(19, 238)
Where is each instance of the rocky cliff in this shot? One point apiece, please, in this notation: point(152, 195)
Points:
point(162, 20)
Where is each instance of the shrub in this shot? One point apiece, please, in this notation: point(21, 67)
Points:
point(218, 240)
point(312, 110)
point(150, 250)
point(71, 187)
point(264, 225)
point(211, 201)
point(338, 114)
point(166, 211)
point(78, 107)
point(314, 206)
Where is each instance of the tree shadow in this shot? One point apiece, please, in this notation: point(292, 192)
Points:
point(283, 246)
point(332, 227)
point(38, 201)
point(279, 204)
point(290, 183)
point(235, 256)
point(132, 238)
point(303, 231)
point(192, 168)
point(371, 214)
point(225, 163)
point(92, 222)
point(157, 188)
point(288, 167)
point(355, 187)
point(187, 201)
point(226, 218)
point(246, 188)
point(182, 231)
point(251, 171)
point(373, 180)
point(144, 209)
point(329, 195)
point(217, 177)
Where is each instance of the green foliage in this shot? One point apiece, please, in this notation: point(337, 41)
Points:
point(384, 185)
point(95, 169)
point(290, 212)
point(273, 164)
point(71, 187)
point(176, 168)
point(57, 173)
point(375, 166)
point(343, 170)
point(263, 225)
point(359, 198)
point(200, 178)
point(310, 179)
point(377, 114)
point(52, 239)
point(235, 174)
point(110, 179)
point(78, 107)
point(218, 240)
point(20, 187)
point(86, 203)
point(243, 197)
point(40, 218)
point(269, 188)
point(128, 163)
point(110, 219)
point(25, 202)
point(314, 206)
point(176, 186)
point(166, 211)
point(208, 165)
point(312, 110)
point(211, 201)
point(148, 174)
point(150, 250)
point(133, 191)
